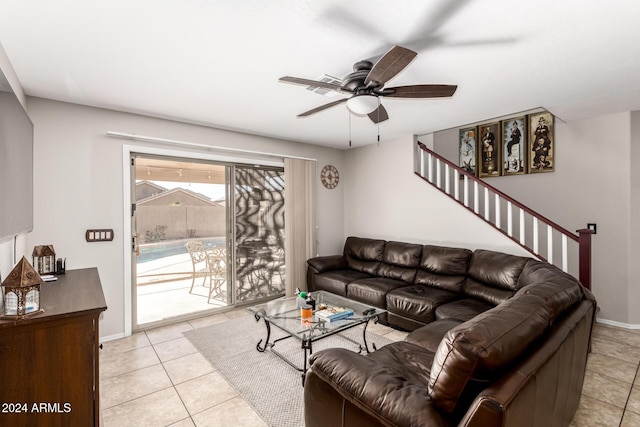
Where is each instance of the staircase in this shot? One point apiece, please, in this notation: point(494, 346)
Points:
point(540, 236)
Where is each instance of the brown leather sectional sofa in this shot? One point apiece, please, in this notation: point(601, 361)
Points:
point(497, 339)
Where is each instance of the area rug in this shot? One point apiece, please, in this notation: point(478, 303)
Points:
point(272, 387)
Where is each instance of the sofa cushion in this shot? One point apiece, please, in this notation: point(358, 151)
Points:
point(386, 383)
point(489, 294)
point(435, 280)
point(363, 254)
point(417, 302)
point(400, 261)
point(496, 269)
point(462, 309)
point(336, 281)
point(429, 336)
point(328, 263)
point(559, 289)
point(480, 349)
point(373, 291)
point(444, 260)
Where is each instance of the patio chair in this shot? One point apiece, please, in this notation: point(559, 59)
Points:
point(217, 264)
point(199, 261)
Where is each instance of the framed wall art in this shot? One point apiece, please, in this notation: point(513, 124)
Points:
point(541, 143)
point(514, 146)
point(467, 148)
point(489, 150)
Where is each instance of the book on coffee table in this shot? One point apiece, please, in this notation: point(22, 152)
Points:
point(334, 313)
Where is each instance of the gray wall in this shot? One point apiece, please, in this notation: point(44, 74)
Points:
point(385, 199)
point(79, 185)
point(593, 183)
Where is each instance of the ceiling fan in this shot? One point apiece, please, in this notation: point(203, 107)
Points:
point(366, 85)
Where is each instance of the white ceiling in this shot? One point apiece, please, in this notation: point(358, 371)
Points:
point(217, 62)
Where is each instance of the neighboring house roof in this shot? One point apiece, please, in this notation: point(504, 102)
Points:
point(179, 196)
point(146, 189)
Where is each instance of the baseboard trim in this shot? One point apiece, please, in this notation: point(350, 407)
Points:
point(617, 324)
point(112, 337)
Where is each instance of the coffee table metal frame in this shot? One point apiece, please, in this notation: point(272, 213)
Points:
point(284, 314)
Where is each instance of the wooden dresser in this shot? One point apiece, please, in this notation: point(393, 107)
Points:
point(49, 363)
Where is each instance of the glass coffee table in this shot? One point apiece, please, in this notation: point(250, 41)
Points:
point(285, 314)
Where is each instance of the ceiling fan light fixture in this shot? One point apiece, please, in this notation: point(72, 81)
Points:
point(362, 104)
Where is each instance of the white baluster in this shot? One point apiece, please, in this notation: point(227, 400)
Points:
point(430, 168)
point(447, 179)
point(423, 154)
point(521, 225)
point(486, 203)
point(565, 254)
point(438, 173)
point(476, 199)
point(509, 219)
point(549, 244)
point(457, 189)
point(466, 191)
point(535, 235)
point(497, 202)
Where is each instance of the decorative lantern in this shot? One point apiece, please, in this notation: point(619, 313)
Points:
point(44, 259)
point(21, 290)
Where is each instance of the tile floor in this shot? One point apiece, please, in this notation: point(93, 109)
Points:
point(157, 378)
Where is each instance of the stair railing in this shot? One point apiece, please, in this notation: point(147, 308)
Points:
point(532, 231)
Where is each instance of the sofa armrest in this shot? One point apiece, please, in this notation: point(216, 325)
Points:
point(375, 388)
point(328, 263)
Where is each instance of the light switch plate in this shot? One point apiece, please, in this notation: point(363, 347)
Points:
point(593, 227)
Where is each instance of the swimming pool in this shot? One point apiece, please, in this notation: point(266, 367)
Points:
point(157, 250)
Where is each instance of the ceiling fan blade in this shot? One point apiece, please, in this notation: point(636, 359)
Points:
point(313, 83)
point(322, 107)
point(422, 91)
point(391, 63)
point(379, 115)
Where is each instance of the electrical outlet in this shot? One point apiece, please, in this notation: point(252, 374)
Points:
point(593, 227)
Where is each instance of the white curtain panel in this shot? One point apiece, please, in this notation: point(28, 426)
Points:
point(300, 220)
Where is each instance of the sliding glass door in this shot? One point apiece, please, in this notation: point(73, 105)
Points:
point(206, 236)
point(259, 232)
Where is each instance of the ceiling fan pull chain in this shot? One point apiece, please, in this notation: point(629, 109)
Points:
point(379, 103)
point(349, 113)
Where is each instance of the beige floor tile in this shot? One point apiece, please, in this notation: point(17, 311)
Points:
point(137, 340)
point(396, 335)
point(612, 367)
point(595, 413)
point(208, 321)
point(168, 333)
point(204, 392)
point(161, 408)
point(620, 335)
point(128, 361)
point(629, 419)
point(238, 312)
point(235, 412)
point(379, 328)
point(606, 389)
point(187, 422)
point(174, 349)
point(637, 380)
point(615, 349)
point(132, 385)
point(634, 400)
point(187, 368)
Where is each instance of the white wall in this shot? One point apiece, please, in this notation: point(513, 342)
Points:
point(634, 226)
point(593, 183)
point(8, 254)
point(79, 185)
point(385, 199)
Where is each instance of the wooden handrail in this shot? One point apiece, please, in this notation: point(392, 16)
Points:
point(501, 194)
point(583, 239)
